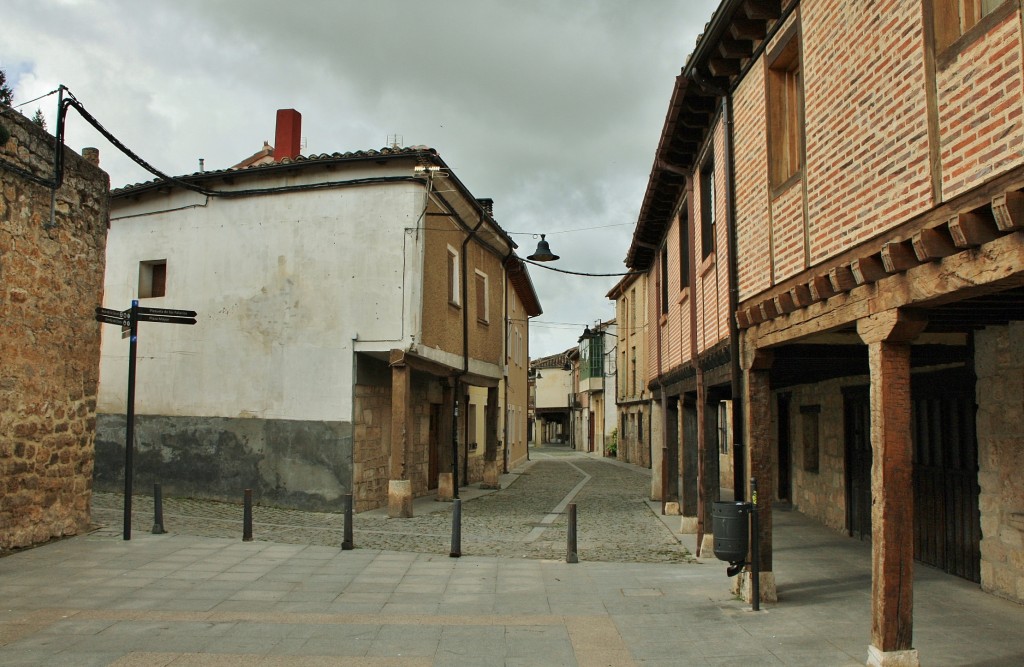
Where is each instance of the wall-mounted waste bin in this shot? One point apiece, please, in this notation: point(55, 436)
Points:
point(731, 526)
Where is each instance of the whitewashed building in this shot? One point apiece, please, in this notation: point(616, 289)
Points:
point(346, 302)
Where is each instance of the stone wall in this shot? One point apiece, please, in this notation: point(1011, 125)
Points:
point(52, 278)
point(999, 367)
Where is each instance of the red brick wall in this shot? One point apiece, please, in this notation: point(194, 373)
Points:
point(751, 185)
point(788, 233)
point(712, 275)
point(980, 109)
point(866, 121)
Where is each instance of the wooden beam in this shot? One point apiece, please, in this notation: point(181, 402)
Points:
point(754, 315)
point(932, 244)
point(972, 229)
point(801, 296)
point(820, 288)
point(784, 303)
point(868, 269)
point(767, 308)
point(762, 9)
point(742, 321)
point(898, 256)
point(735, 48)
point(751, 29)
point(724, 66)
point(842, 279)
point(1008, 210)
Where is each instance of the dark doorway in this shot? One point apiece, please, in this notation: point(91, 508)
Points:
point(671, 456)
point(688, 494)
point(857, 436)
point(947, 523)
point(434, 445)
point(784, 447)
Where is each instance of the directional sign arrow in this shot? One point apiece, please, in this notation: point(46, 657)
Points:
point(112, 319)
point(167, 312)
point(167, 320)
point(110, 312)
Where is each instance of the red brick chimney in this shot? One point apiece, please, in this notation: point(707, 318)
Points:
point(289, 134)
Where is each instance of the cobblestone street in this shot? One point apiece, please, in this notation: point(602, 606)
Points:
point(614, 521)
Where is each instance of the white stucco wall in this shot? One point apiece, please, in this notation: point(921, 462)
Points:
point(282, 284)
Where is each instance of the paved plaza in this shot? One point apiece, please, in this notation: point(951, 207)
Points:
point(199, 595)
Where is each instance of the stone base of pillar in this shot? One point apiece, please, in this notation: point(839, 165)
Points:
point(491, 478)
point(672, 509)
point(445, 488)
point(688, 525)
point(741, 586)
point(880, 658)
point(399, 499)
point(707, 546)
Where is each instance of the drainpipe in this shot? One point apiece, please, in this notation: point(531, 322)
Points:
point(465, 362)
point(738, 457)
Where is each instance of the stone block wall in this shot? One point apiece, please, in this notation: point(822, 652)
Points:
point(371, 446)
point(999, 366)
point(51, 279)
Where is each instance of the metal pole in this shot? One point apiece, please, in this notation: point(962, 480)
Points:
point(129, 429)
point(158, 510)
point(570, 550)
point(456, 529)
point(247, 517)
point(455, 441)
point(346, 542)
point(755, 551)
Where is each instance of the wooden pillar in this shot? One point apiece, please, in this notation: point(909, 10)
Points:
point(888, 337)
point(399, 486)
point(758, 434)
point(491, 469)
point(689, 462)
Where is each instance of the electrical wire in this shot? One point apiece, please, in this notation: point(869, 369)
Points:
point(582, 273)
point(52, 92)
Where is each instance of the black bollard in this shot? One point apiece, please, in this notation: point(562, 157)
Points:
point(247, 517)
point(346, 542)
point(158, 510)
point(755, 548)
point(456, 529)
point(570, 550)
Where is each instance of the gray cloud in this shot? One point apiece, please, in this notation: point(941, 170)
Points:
point(552, 108)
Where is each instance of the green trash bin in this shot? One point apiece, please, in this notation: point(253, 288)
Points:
point(731, 527)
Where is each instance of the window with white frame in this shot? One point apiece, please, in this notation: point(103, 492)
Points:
point(483, 306)
point(453, 276)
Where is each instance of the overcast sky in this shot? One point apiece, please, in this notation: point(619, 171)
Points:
point(552, 108)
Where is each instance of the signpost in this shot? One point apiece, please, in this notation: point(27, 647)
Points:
point(129, 319)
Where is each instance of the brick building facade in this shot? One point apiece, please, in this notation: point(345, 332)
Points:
point(853, 172)
point(51, 270)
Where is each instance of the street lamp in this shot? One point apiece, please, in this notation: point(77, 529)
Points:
point(543, 252)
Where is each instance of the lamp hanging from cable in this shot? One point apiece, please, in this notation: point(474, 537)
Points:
point(543, 252)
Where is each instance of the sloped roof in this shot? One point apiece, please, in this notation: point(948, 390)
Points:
point(253, 165)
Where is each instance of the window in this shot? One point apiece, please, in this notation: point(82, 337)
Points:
point(785, 121)
point(954, 18)
point(809, 425)
point(684, 253)
point(632, 373)
point(152, 278)
point(483, 310)
point(664, 279)
point(707, 207)
point(453, 276)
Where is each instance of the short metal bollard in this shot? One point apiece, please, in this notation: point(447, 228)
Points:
point(158, 510)
point(247, 517)
point(456, 529)
point(346, 542)
point(570, 551)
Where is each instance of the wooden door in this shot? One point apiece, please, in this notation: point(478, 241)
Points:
point(947, 523)
point(857, 436)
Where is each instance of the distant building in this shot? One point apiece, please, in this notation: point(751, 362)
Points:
point(347, 304)
point(632, 397)
point(596, 388)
